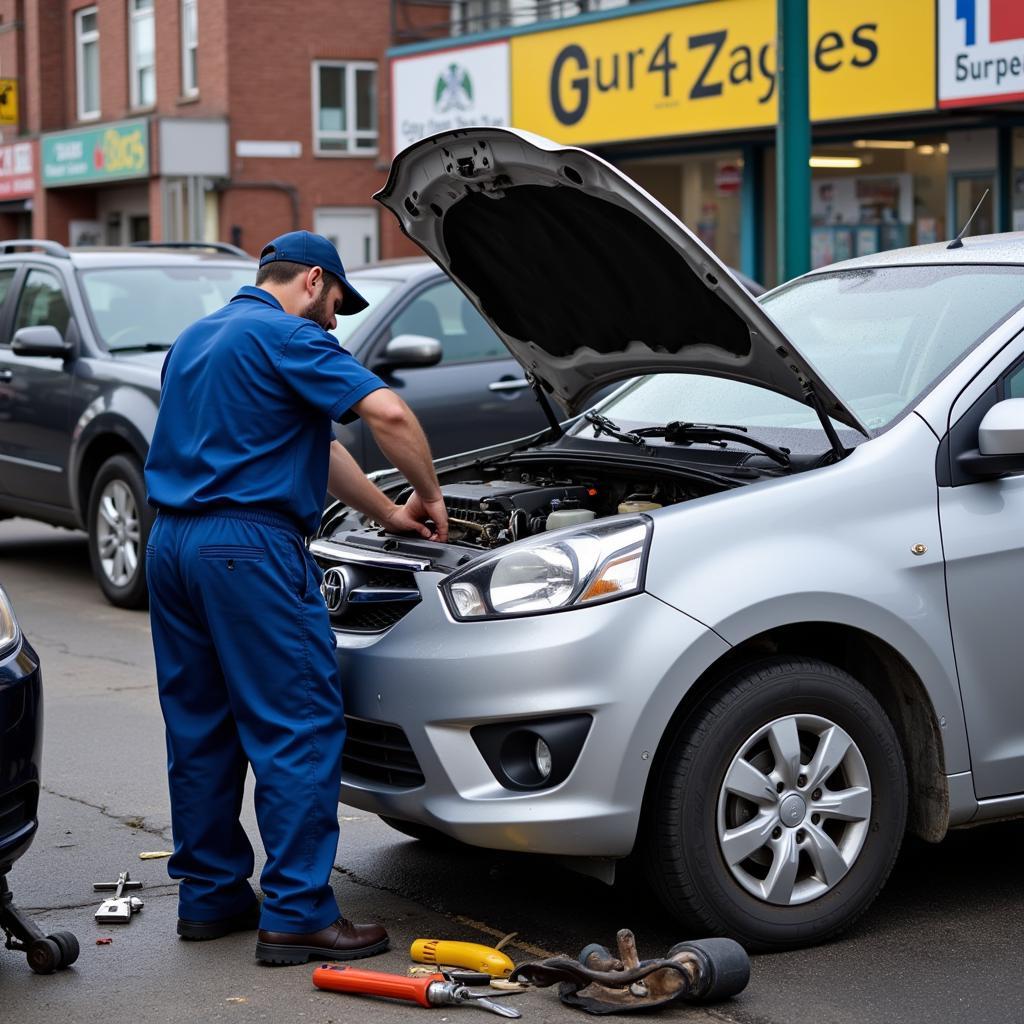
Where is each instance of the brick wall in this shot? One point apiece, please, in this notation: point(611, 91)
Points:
point(272, 99)
point(254, 67)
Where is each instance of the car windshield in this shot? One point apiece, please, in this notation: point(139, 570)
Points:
point(373, 289)
point(152, 305)
point(879, 337)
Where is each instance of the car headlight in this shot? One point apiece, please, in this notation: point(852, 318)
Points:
point(554, 571)
point(9, 631)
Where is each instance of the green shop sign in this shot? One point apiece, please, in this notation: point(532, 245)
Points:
point(104, 153)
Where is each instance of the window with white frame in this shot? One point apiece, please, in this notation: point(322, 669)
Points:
point(189, 47)
point(87, 63)
point(344, 107)
point(142, 52)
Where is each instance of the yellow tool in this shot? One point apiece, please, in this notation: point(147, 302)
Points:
point(471, 955)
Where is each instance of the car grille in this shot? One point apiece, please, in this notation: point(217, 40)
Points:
point(366, 598)
point(17, 809)
point(379, 752)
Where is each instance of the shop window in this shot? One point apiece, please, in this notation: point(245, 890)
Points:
point(87, 63)
point(142, 35)
point(702, 191)
point(42, 302)
point(189, 47)
point(870, 195)
point(345, 108)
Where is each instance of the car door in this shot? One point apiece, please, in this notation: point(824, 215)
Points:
point(983, 543)
point(477, 395)
point(35, 393)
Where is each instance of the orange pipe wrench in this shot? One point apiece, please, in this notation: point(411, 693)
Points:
point(433, 990)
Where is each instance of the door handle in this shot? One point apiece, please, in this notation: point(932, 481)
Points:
point(6, 376)
point(508, 384)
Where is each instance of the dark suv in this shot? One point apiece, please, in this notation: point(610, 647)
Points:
point(83, 334)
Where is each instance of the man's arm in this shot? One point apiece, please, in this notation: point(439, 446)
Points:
point(400, 437)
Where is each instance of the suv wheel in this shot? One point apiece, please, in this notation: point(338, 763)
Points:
point(119, 523)
point(780, 807)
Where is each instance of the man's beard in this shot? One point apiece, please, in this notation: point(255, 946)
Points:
point(317, 311)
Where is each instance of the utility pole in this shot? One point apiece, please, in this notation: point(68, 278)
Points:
point(793, 141)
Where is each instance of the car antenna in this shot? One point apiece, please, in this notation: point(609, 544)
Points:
point(957, 242)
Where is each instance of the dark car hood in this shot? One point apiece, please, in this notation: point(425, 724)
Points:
point(585, 277)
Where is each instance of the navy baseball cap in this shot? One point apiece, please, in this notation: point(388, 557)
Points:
point(314, 251)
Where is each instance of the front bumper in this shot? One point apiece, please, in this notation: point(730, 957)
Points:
point(21, 728)
point(626, 663)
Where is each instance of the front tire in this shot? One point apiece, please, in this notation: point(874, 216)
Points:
point(119, 522)
point(780, 807)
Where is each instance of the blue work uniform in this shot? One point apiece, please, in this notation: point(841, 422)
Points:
point(245, 656)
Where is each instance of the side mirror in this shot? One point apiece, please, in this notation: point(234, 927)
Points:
point(411, 350)
point(1000, 442)
point(44, 340)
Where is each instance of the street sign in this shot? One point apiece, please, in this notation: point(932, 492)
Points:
point(8, 101)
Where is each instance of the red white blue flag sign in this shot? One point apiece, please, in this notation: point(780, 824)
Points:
point(981, 51)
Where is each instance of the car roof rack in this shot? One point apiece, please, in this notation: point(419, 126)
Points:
point(48, 247)
point(224, 247)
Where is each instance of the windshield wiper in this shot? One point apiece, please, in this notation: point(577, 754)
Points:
point(603, 425)
point(149, 346)
point(717, 434)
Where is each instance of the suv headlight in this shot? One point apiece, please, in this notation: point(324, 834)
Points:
point(554, 571)
point(9, 631)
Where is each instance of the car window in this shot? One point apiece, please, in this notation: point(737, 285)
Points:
point(443, 312)
point(881, 337)
point(141, 305)
point(42, 302)
point(373, 289)
point(1014, 384)
point(6, 279)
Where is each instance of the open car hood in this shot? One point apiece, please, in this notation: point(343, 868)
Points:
point(585, 277)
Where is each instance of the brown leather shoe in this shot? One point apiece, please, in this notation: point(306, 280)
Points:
point(342, 940)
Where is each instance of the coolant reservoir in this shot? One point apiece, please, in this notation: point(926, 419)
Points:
point(636, 506)
point(569, 517)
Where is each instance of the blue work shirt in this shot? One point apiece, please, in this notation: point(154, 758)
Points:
point(248, 395)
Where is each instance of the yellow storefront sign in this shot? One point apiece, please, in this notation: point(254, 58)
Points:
point(709, 67)
point(8, 101)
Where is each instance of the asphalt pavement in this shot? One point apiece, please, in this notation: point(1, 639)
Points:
point(943, 943)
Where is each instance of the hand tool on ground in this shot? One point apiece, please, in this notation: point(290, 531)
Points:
point(435, 990)
point(118, 909)
point(471, 955)
point(702, 971)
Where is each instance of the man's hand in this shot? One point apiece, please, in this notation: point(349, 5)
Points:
point(413, 515)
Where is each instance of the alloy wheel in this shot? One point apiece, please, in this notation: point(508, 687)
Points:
point(794, 809)
point(118, 533)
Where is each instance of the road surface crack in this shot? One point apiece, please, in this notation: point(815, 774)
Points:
point(135, 822)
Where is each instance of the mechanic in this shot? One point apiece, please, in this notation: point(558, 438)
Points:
point(241, 458)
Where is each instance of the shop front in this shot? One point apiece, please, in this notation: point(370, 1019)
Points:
point(96, 184)
point(105, 185)
point(19, 163)
point(917, 112)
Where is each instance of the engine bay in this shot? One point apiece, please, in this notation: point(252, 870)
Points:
point(493, 511)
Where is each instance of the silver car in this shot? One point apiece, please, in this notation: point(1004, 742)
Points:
point(752, 618)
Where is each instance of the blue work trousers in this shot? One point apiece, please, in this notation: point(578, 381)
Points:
point(247, 675)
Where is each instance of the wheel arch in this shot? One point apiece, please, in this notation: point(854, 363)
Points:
point(106, 439)
point(880, 668)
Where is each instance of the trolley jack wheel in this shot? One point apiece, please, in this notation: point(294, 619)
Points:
point(44, 956)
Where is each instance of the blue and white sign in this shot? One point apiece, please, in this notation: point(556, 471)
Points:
point(981, 52)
